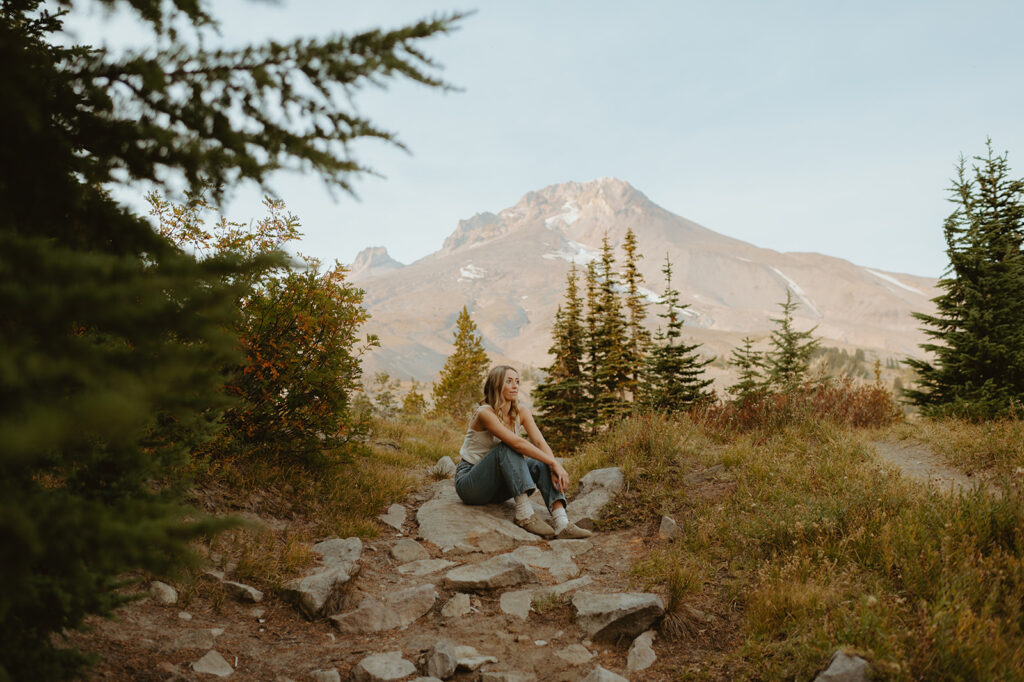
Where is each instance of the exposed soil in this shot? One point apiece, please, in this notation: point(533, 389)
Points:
point(272, 640)
point(919, 463)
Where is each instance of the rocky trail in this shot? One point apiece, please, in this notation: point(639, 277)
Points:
point(446, 592)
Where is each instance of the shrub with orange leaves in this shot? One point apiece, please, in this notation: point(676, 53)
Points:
point(298, 333)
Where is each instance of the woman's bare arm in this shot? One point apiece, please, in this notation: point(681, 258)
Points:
point(489, 420)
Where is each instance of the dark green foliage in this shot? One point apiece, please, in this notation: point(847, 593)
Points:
point(609, 345)
point(462, 379)
point(562, 396)
point(638, 337)
point(414, 404)
point(977, 333)
point(751, 380)
point(112, 340)
point(788, 361)
point(674, 380)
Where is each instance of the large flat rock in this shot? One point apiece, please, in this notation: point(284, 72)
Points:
point(317, 591)
point(456, 527)
point(503, 570)
point(396, 610)
point(610, 616)
point(597, 488)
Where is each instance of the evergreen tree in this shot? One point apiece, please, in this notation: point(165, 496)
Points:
point(112, 339)
point(611, 360)
point(462, 379)
point(977, 333)
point(562, 396)
point(592, 357)
point(675, 372)
point(414, 404)
point(789, 359)
point(750, 364)
point(638, 337)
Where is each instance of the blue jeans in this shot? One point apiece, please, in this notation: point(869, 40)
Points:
point(503, 474)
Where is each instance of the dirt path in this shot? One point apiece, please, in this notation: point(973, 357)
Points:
point(919, 463)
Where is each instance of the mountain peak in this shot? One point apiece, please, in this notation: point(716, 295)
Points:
point(371, 261)
point(576, 209)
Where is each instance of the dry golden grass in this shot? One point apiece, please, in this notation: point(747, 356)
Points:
point(819, 548)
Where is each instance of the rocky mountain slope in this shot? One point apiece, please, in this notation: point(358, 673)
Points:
point(509, 269)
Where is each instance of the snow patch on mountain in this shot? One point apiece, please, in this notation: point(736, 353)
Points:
point(574, 251)
point(795, 288)
point(469, 271)
point(893, 280)
point(571, 215)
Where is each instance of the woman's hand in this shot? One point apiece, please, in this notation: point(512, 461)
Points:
point(560, 477)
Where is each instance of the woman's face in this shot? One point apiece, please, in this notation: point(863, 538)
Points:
point(510, 387)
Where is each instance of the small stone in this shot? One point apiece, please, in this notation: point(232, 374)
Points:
point(669, 529)
point(406, 550)
point(394, 517)
point(502, 676)
point(470, 659)
point(575, 654)
point(641, 653)
point(600, 674)
point(441, 660)
point(194, 639)
point(243, 592)
point(845, 668)
point(184, 615)
point(163, 593)
point(457, 606)
point(213, 664)
point(331, 675)
point(382, 667)
point(257, 613)
point(541, 642)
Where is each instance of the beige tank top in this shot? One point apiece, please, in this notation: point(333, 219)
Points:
point(478, 443)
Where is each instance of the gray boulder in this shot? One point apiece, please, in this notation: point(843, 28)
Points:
point(460, 528)
point(641, 653)
point(394, 516)
point(382, 668)
point(406, 550)
point(397, 610)
point(846, 668)
point(441, 660)
point(445, 468)
point(163, 593)
point(669, 529)
point(610, 616)
point(321, 589)
point(503, 570)
point(243, 592)
point(517, 603)
point(597, 488)
point(600, 674)
point(213, 664)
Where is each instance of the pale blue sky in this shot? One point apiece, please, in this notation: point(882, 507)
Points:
point(798, 126)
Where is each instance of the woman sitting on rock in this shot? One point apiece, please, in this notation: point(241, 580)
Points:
point(499, 464)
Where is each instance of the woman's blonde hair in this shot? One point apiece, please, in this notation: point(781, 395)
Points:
point(492, 394)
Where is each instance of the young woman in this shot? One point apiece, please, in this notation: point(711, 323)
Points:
point(498, 463)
